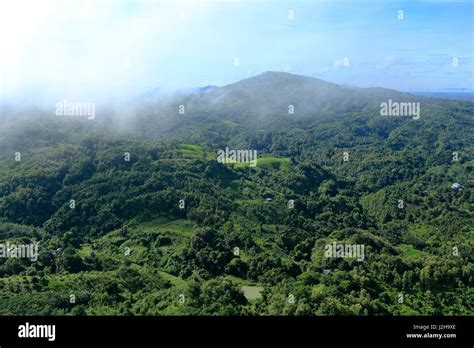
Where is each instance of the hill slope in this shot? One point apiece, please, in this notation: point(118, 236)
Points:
point(130, 246)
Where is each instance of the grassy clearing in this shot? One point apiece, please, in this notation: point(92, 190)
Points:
point(252, 292)
point(270, 161)
point(195, 151)
point(191, 153)
point(409, 252)
point(191, 147)
point(318, 290)
point(176, 281)
point(265, 162)
point(85, 250)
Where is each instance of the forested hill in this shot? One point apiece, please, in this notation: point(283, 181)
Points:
point(270, 102)
point(129, 224)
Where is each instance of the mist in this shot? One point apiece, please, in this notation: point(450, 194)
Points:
point(112, 52)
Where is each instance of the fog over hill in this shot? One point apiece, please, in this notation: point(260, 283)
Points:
point(272, 100)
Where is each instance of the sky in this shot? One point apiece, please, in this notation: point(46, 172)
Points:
point(119, 48)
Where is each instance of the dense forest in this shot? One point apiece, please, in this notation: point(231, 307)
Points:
point(141, 219)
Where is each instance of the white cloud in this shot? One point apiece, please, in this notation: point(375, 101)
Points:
point(93, 48)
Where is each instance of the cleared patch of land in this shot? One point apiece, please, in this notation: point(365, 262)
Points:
point(252, 292)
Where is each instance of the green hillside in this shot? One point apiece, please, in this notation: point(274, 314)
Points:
point(171, 231)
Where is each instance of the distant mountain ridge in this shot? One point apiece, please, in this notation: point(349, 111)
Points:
point(266, 101)
point(462, 95)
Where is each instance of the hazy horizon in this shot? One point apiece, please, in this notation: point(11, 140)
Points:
point(111, 50)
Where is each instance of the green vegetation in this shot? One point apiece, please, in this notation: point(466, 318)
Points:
point(129, 247)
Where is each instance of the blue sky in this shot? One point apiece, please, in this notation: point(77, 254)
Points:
point(72, 48)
